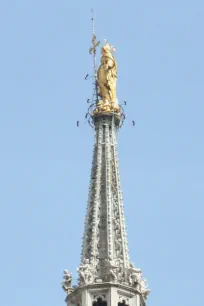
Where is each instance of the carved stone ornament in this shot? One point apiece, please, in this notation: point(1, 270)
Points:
point(134, 275)
point(86, 273)
point(112, 270)
point(66, 284)
point(136, 280)
point(144, 288)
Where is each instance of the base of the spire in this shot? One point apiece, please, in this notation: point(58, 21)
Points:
point(104, 115)
point(111, 293)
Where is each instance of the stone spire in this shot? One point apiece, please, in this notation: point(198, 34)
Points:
point(105, 244)
point(106, 275)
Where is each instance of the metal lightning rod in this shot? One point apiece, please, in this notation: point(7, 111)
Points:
point(92, 50)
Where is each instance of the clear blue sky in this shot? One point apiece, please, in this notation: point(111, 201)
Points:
point(45, 160)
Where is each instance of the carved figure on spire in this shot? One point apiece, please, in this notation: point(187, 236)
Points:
point(111, 268)
point(85, 273)
point(66, 284)
point(106, 80)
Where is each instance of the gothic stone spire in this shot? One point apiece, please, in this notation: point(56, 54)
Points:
point(105, 239)
point(106, 275)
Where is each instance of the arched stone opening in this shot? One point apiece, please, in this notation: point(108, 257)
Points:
point(123, 303)
point(100, 302)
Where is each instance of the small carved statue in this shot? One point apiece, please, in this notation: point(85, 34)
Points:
point(144, 288)
point(85, 271)
point(66, 284)
point(117, 226)
point(134, 274)
point(118, 246)
point(136, 279)
point(111, 270)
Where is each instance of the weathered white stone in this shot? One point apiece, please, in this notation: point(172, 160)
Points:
point(105, 271)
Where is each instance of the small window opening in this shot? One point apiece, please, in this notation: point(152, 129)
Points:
point(122, 304)
point(99, 302)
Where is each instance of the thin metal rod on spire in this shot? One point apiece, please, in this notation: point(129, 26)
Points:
point(93, 40)
point(93, 50)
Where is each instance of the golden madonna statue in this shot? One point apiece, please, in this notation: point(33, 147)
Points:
point(106, 80)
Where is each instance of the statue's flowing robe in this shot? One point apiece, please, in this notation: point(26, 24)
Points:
point(106, 77)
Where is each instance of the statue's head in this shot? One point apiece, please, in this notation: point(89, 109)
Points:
point(107, 49)
point(67, 273)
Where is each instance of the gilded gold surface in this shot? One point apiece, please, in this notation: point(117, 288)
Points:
point(106, 81)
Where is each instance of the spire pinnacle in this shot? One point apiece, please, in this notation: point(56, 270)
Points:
point(106, 275)
point(95, 44)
